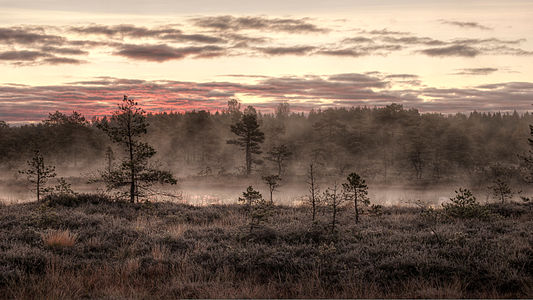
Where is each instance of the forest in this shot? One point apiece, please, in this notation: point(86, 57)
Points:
point(385, 145)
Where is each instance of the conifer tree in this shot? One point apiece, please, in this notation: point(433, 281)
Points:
point(38, 174)
point(356, 190)
point(126, 127)
point(249, 137)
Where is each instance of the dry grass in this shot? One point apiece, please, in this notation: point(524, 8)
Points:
point(178, 251)
point(59, 238)
point(160, 252)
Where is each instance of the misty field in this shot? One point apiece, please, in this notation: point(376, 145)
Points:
point(90, 246)
point(359, 203)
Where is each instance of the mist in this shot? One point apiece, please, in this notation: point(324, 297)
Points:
point(404, 155)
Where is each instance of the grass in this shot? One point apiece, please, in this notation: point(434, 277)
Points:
point(84, 247)
point(59, 238)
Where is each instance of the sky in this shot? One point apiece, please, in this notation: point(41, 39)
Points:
point(435, 56)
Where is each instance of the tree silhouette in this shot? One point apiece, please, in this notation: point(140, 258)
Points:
point(273, 183)
point(249, 137)
point(356, 190)
point(259, 211)
point(334, 201)
point(279, 155)
point(125, 128)
point(501, 189)
point(313, 190)
point(38, 174)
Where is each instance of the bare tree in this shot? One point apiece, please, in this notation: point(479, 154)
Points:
point(333, 200)
point(313, 190)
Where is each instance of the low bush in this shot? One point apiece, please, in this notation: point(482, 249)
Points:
point(73, 200)
point(465, 206)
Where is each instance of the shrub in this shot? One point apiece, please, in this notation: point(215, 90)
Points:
point(59, 238)
point(73, 200)
point(465, 206)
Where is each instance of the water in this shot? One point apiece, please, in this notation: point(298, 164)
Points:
point(203, 192)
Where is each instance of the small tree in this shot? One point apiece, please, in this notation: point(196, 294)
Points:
point(259, 210)
point(250, 197)
point(333, 201)
point(63, 188)
point(356, 190)
point(273, 183)
point(125, 128)
point(464, 205)
point(249, 137)
point(501, 190)
point(279, 155)
point(38, 174)
point(314, 199)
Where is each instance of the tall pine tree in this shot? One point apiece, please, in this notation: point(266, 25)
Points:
point(249, 137)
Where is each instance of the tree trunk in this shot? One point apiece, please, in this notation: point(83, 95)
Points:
point(356, 208)
point(38, 185)
point(132, 167)
point(334, 215)
point(313, 199)
point(248, 159)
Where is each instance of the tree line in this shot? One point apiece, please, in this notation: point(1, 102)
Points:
point(387, 145)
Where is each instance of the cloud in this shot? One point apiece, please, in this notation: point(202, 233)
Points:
point(454, 50)
point(473, 25)
point(294, 50)
point(62, 60)
point(402, 76)
point(123, 30)
point(23, 55)
point(198, 38)
point(26, 36)
point(98, 97)
point(476, 71)
point(357, 40)
point(413, 40)
point(224, 37)
point(161, 52)
point(358, 51)
point(385, 31)
point(343, 52)
point(65, 51)
point(132, 31)
point(360, 80)
point(258, 23)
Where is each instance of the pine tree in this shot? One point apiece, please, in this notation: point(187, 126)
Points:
point(259, 210)
point(356, 190)
point(279, 155)
point(249, 137)
point(125, 128)
point(38, 174)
